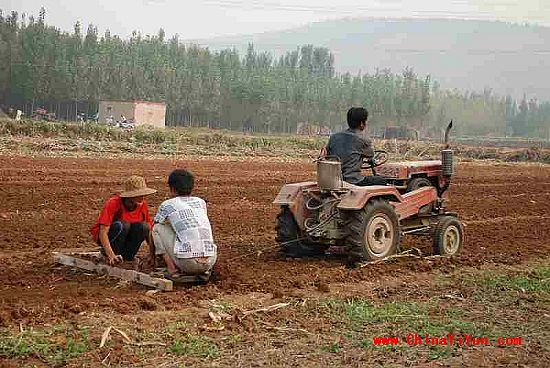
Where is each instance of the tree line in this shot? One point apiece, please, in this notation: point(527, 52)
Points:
point(69, 72)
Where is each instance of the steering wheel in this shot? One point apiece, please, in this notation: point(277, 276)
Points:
point(379, 158)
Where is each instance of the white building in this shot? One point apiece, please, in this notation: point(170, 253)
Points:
point(141, 112)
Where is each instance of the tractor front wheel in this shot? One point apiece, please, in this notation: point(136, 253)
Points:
point(291, 239)
point(373, 232)
point(448, 236)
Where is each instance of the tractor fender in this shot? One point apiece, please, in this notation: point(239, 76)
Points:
point(413, 201)
point(289, 192)
point(291, 195)
point(358, 197)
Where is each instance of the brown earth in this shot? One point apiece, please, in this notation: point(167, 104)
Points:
point(50, 203)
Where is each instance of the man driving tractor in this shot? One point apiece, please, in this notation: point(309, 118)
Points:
point(351, 147)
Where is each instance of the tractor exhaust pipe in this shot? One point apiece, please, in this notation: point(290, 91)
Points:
point(447, 154)
point(447, 131)
point(447, 168)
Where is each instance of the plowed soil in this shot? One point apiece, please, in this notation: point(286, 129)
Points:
point(48, 204)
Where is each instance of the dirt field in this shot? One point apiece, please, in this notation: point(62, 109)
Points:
point(49, 203)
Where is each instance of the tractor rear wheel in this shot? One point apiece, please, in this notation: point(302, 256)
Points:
point(448, 236)
point(291, 239)
point(373, 231)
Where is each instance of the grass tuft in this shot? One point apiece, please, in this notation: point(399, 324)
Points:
point(46, 345)
point(192, 345)
point(537, 281)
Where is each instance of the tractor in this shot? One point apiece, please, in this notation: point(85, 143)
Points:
point(368, 222)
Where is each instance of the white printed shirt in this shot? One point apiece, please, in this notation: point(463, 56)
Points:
point(188, 218)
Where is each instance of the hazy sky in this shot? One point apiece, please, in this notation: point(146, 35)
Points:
point(208, 18)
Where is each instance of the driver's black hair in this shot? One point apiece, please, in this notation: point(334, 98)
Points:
point(182, 181)
point(357, 115)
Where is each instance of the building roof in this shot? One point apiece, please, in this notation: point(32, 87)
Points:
point(136, 102)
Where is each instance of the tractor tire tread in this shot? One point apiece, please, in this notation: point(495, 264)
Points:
point(287, 231)
point(357, 223)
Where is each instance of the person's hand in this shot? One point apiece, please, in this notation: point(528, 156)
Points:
point(114, 259)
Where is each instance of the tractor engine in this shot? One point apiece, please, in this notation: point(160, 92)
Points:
point(324, 217)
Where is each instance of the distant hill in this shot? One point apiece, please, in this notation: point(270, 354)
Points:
point(468, 55)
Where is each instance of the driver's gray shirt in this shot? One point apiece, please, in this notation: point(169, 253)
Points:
point(350, 146)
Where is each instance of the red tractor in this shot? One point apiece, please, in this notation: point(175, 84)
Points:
point(369, 221)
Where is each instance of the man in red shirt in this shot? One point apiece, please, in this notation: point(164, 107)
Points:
point(124, 223)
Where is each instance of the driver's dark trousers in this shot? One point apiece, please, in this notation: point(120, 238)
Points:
point(372, 180)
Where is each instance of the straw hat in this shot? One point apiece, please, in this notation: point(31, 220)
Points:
point(135, 186)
